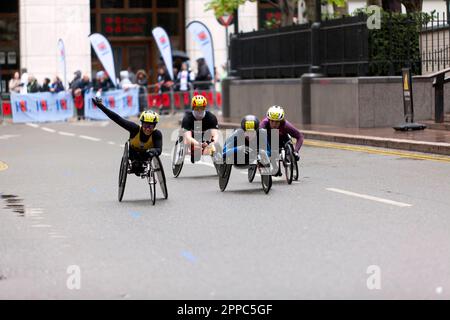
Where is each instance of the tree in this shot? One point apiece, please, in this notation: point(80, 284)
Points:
point(395, 5)
point(412, 5)
point(286, 7)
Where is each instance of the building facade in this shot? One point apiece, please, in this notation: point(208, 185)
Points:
point(30, 29)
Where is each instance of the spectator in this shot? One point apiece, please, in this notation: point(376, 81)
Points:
point(24, 81)
point(103, 83)
point(57, 85)
point(183, 79)
point(75, 83)
point(203, 75)
point(142, 82)
point(33, 85)
point(131, 75)
point(45, 86)
point(83, 85)
point(125, 82)
point(14, 83)
point(164, 81)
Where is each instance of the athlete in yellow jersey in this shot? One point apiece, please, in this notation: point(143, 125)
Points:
point(145, 140)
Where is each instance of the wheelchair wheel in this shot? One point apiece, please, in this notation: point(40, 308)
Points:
point(158, 168)
point(152, 186)
point(225, 176)
point(252, 172)
point(216, 158)
point(295, 171)
point(288, 163)
point(178, 157)
point(123, 172)
point(266, 181)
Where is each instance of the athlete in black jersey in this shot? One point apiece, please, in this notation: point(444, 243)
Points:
point(209, 127)
point(145, 141)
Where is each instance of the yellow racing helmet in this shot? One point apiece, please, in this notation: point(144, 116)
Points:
point(275, 113)
point(198, 101)
point(149, 117)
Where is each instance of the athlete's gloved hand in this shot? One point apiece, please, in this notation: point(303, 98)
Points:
point(152, 153)
point(296, 156)
point(97, 101)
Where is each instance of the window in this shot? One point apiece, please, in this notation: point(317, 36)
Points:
point(169, 21)
point(140, 3)
point(9, 29)
point(93, 23)
point(9, 6)
point(112, 3)
point(126, 25)
point(167, 4)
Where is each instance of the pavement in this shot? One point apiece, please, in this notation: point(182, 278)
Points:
point(435, 139)
point(361, 223)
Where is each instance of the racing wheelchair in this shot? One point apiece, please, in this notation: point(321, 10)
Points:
point(181, 149)
point(261, 164)
point(153, 171)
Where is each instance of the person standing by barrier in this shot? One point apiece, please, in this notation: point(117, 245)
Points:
point(74, 86)
point(45, 85)
point(84, 85)
point(33, 85)
point(57, 85)
point(203, 75)
point(164, 81)
point(142, 82)
point(14, 83)
point(24, 81)
point(183, 80)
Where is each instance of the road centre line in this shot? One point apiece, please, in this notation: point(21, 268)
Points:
point(89, 138)
point(32, 125)
point(48, 129)
point(367, 197)
point(66, 134)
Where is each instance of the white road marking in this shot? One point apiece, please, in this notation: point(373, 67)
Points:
point(104, 124)
point(7, 136)
point(58, 237)
point(48, 129)
point(41, 226)
point(439, 290)
point(89, 138)
point(367, 197)
point(111, 142)
point(32, 125)
point(37, 218)
point(66, 134)
point(165, 154)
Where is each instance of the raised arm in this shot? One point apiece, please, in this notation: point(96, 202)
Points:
point(127, 125)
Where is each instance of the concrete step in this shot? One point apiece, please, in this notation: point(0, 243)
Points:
point(437, 126)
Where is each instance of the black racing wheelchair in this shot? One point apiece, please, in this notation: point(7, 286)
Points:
point(153, 171)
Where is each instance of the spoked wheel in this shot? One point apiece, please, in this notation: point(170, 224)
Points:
point(252, 172)
point(266, 181)
point(123, 172)
point(295, 170)
point(158, 168)
point(216, 158)
point(178, 157)
point(288, 163)
point(224, 176)
point(152, 186)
